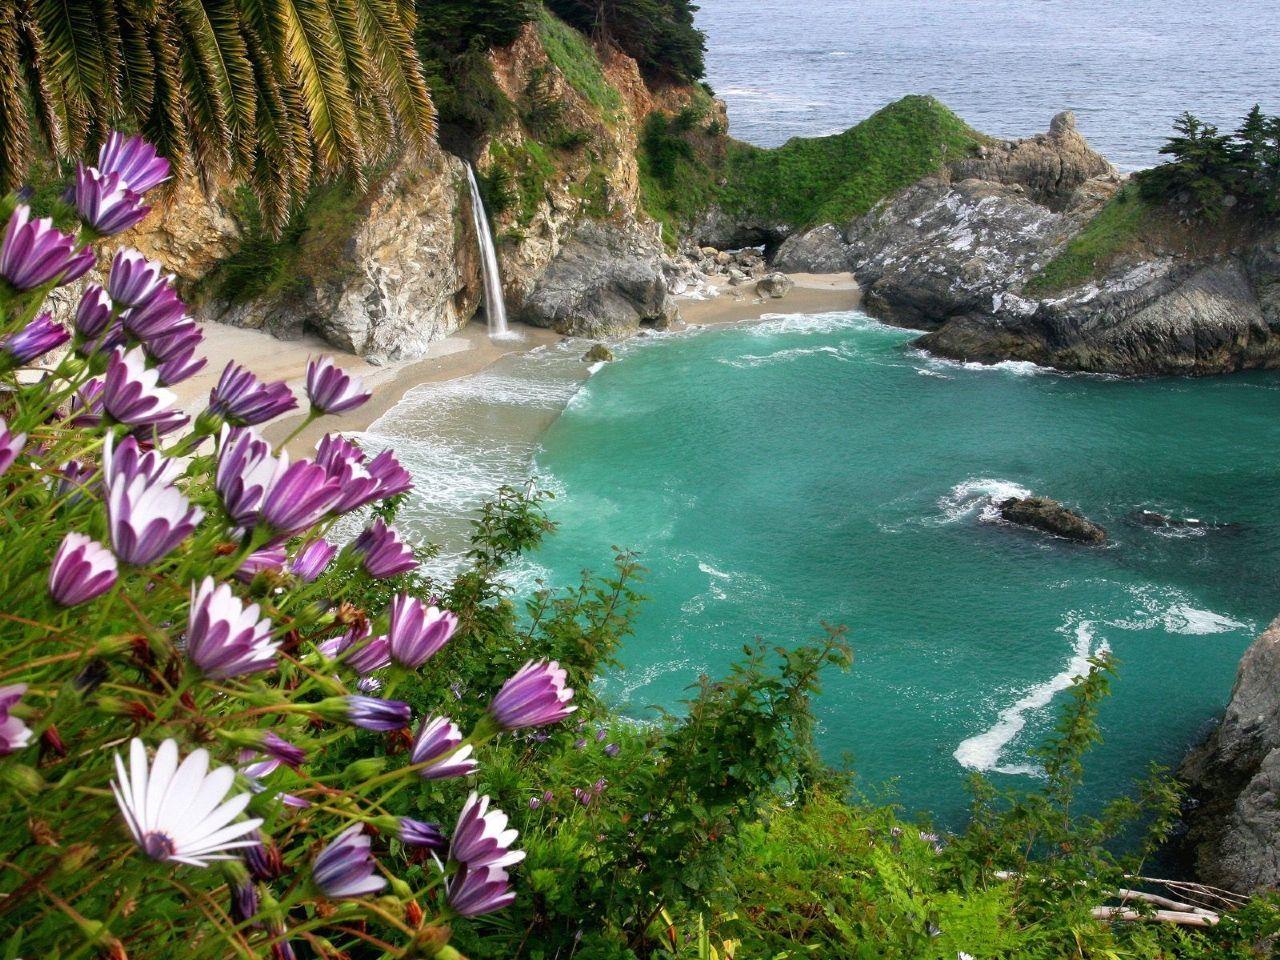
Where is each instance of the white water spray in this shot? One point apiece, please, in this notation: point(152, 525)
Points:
point(494, 306)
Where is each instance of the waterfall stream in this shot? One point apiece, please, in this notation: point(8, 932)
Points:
point(494, 305)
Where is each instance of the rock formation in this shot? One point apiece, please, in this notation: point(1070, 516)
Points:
point(607, 280)
point(1234, 779)
point(1042, 513)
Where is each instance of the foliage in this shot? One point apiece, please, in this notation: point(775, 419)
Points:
point(1211, 171)
point(659, 34)
point(543, 114)
point(518, 178)
point(1117, 229)
point(271, 91)
point(577, 61)
point(835, 179)
point(679, 158)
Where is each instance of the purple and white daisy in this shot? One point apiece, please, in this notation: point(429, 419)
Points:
point(244, 901)
point(11, 445)
point(82, 569)
point(244, 400)
point(161, 313)
point(417, 631)
point(311, 560)
point(368, 654)
point(131, 393)
point(276, 746)
point(35, 253)
point(392, 478)
point(298, 496)
point(482, 838)
point(93, 313)
point(14, 734)
point(224, 637)
point(370, 713)
point(33, 341)
point(439, 740)
point(268, 558)
point(262, 858)
point(346, 868)
point(331, 389)
point(181, 813)
point(105, 202)
point(134, 279)
point(135, 160)
point(534, 697)
point(147, 519)
point(419, 833)
point(477, 890)
point(245, 469)
point(343, 461)
point(382, 551)
point(125, 460)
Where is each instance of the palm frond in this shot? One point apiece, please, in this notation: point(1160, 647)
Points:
point(317, 64)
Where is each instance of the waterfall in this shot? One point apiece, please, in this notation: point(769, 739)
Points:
point(494, 306)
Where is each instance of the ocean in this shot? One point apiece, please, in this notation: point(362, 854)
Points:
point(776, 475)
point(1126, 67)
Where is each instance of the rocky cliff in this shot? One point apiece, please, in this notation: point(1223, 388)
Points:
point(1234, 779)
point(969, 256)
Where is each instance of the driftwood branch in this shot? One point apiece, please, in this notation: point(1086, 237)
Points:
point(1167, 909)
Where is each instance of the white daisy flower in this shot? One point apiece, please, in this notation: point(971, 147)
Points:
point(177, 813)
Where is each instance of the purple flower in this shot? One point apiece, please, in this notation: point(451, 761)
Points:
point(131, 393)
point(179, 340)
point(383, 552)
point(331, 389)
point(245, 469)
point(75, 479)
point(224, 637)
point(134, 279)
point(33, 341)
point(281, 749)
point(482, 838)
point(418, 833)
point(147, 518)
point(298, 496)
point(417, 631)
point(93, 312)
point(344, 463)
point(268, 558)
point(14, 734)
point(11, 445)
point(478, 890)
point(535, 803)
point(105, 202)
point(126, 460)
point(160, 314)
point(134, 160)
point(367, 654)
point(391, 476)
point(244, 902)
point(311, 560)
point(181, 366)
point(374, 714)
point(263, 859)
point(534, 697)
point(439, 739)
point(601, 734)
point(346, 868)
point(35, 253)
point(82, 569)
point(244, 400)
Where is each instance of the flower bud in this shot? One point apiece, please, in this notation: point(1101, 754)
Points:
point(22, 778)
point(365, 769)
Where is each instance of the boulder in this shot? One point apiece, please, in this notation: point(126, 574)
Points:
point(1042, 513)
point(737, 277)
point(1233, 780)
point(774, 285)
point(608, 279)
point(599, 353)
point(820, 250)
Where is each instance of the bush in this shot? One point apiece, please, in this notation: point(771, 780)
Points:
point(659, 34)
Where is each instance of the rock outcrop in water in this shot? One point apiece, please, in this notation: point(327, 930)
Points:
point(1233, 780)
point(954, 255)
point(1050, 516)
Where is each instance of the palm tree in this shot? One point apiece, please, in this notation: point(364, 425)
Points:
point(275, 91)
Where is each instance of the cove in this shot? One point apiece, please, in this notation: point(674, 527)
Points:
point(809, 468)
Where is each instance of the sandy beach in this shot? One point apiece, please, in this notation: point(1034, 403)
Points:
point(467, 352)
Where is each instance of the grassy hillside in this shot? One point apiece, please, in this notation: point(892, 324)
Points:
point(806, 181)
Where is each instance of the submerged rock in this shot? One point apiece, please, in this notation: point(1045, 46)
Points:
point(774, 285)
point(607, 280)
point(598, 353)
point(1233, 780)
point(1048, 515)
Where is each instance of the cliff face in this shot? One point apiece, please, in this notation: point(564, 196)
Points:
point(1234, 779)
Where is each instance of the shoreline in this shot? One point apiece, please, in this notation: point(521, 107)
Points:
point(465, 353)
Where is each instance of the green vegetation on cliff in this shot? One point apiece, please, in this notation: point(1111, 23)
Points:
point(1116, 230)
point(688, 166)
point(574, 57)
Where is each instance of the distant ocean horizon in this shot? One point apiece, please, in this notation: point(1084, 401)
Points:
point(1126, 69)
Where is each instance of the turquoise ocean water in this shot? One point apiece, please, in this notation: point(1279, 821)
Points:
point(816, 468)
